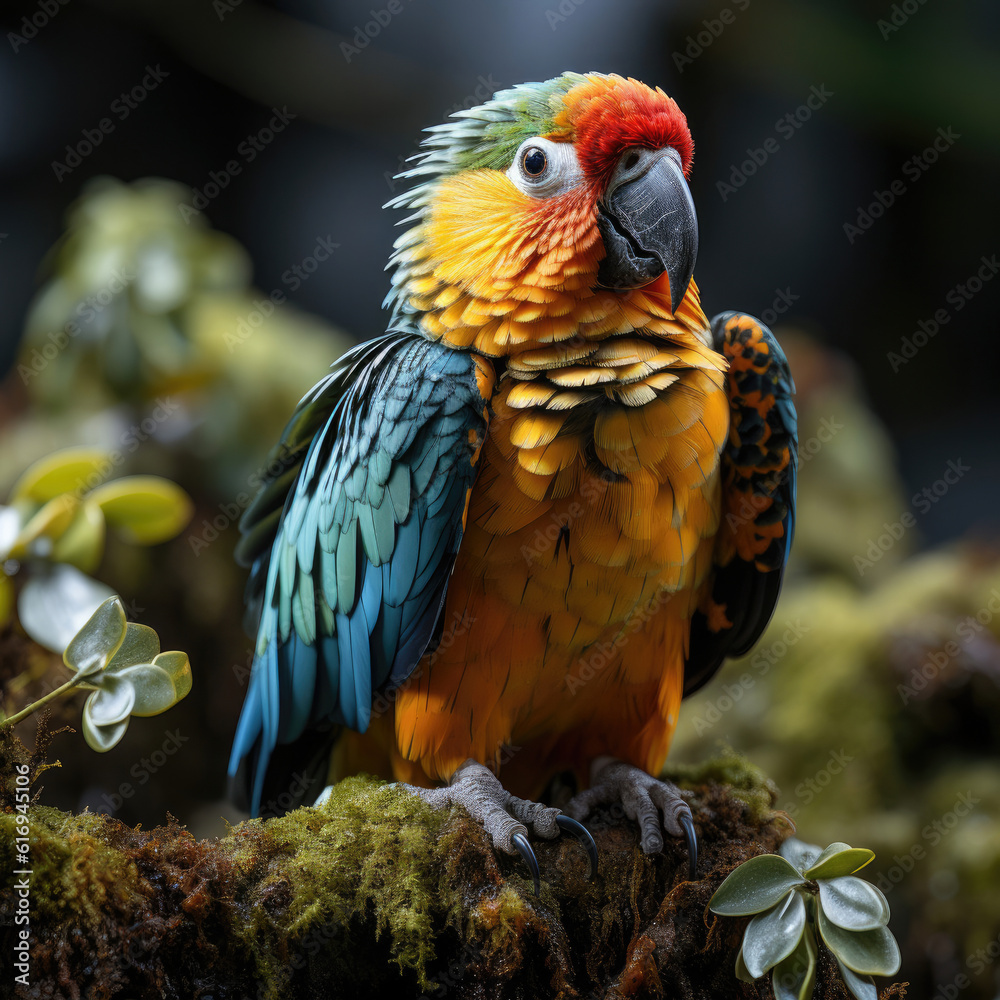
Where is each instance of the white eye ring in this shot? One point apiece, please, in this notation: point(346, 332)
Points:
point(559, 172)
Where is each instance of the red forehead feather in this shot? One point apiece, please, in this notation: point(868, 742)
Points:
point(608, 114)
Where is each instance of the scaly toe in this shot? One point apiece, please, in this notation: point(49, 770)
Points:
point(644, 799)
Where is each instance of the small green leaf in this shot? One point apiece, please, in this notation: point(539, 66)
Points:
point(102, 738)
point(56, 602)
point(146, 510)
point(800, 854)
point(774, 935)
point(39, 533)
point(178, 667)
point(112, 702)
point(794, 977)
point(82, 543)
point(70, 470)
point(159, 685)
point(853, 903)
point(870, 953)
point(742, 973)
point(140, 645)
point(839, 859)
point(93, 646)
point(861, 986)
point(755, 886)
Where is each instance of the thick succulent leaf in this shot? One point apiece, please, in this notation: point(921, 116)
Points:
point(742, 974)
point(774, 935)
point(140, 645)
point(146, 510)
point(159, 685)
point(795, 976)
point(870, 953)
point(82, 543)
point(103, 738)
point(112, 702)
point(92, 648)
point(839, 859)
point(57, 602)
point(6, 598)
point(71, 470)
point(755, 886)
point(800, 854)
point(10, 525)
point(861, 986)
point(853, 903)
point(178, 668)
point(39, 533)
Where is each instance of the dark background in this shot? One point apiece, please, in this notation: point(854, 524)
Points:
point(783, 229)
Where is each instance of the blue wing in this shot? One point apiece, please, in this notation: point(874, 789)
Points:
point(759, 466)
point(352, 540)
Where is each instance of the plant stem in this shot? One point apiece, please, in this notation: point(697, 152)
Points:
point(35, 706)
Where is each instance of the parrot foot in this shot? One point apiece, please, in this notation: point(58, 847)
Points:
point(506, 817)
point(643, 799)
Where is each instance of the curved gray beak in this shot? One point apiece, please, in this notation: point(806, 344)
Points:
point(648, 223)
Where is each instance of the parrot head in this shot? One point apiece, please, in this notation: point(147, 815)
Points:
point(555, 210)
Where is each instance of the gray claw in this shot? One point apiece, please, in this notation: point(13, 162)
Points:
point(569, 825)
point(520, 842)
point(692, 843)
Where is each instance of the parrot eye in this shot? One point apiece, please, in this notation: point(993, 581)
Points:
point(534, 161)
point(543, 168)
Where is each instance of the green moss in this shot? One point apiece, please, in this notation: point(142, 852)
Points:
point(367, 854)
point(375, 893)
point(747, 782)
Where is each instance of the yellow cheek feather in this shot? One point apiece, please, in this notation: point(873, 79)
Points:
point(493, 269)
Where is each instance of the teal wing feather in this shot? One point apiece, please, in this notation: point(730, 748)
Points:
point(351, 543)
point(759, 465)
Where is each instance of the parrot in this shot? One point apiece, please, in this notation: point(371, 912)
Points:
point(499, 544)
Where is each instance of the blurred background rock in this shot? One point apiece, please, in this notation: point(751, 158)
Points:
point(222, 242)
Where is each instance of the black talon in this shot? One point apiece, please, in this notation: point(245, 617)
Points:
point(569, 825)
point(520, 842)
point(692, 844)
